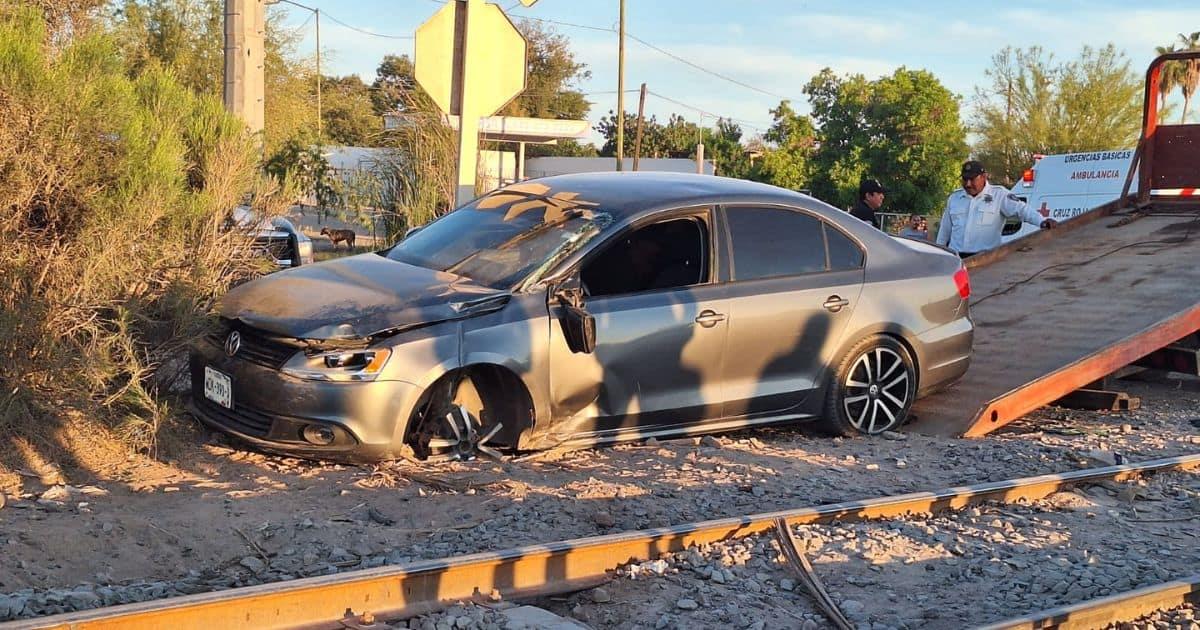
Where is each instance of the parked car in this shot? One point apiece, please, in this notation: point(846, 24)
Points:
point(588, 309)
point(276, 238)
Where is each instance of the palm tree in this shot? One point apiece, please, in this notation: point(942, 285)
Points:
point(1170, 77)
point(1191, 73)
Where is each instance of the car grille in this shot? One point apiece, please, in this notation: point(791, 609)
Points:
point(278, 248)
point(241, 418)
point(256, 347)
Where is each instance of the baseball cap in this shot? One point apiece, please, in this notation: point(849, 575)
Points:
point(971, 168)
point(870, 186)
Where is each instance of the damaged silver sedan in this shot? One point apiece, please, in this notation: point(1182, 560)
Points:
point(589, 309)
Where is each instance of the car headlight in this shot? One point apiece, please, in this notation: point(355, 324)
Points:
point(339, 365)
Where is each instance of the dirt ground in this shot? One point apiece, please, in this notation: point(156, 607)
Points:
point(219, 516)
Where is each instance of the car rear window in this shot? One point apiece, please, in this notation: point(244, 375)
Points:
point(843, 252)
point(772, 242)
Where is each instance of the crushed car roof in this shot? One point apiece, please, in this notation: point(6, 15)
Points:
point(625, 194)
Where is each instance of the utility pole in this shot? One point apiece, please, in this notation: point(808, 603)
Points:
point(317, 13)
point(1008, 147)
point(320, 137)
point(245, 33)
point(637, 138)
point(621, 91)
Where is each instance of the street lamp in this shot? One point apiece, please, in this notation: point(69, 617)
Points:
point(317, 12)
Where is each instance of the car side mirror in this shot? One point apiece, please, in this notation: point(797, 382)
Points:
point(578, 325)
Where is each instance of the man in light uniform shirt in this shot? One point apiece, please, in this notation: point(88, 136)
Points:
point(974, 216)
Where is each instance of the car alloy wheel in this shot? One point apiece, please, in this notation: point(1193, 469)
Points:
point(454, 424)
point(468, 441)
point(876, 390)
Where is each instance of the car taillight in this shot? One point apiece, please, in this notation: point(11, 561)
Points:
point(963, 282)
point(1027, 178)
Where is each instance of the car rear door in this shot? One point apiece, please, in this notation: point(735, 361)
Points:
point(795, 281)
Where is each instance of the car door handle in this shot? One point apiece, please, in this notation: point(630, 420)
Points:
point(835, 303)
point(709, 318)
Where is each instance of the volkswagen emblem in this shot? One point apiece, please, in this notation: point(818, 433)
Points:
point(233, 343)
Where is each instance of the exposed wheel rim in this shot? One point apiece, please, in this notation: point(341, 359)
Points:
point(875, 390)
point(458, 434)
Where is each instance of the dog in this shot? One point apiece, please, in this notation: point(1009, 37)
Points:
point(338, 236)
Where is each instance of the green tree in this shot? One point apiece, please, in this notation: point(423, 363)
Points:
point(347, 112)
point(653, 142)
point(115, 191)
point(1190, 77)
point(790, 143)
point(1035, 104)
point(186, 37)
point(723, 147)
point(1170, 77)
point(301, 167)
point(395, 88)
point(675, 139)
point(918, 141)
point(553, 76)
point(902, 129)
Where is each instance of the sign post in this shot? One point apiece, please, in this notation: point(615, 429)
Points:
point(471, 60)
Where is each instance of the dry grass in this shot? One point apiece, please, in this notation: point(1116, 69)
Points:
point(112, 215)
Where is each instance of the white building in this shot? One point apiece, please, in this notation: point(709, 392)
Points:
point(547, 166)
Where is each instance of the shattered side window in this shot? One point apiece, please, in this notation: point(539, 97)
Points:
point(501, 238)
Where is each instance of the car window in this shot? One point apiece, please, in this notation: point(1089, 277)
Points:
point(504, 237)
point(664, 255)
point(772, 242)
point(843, 252)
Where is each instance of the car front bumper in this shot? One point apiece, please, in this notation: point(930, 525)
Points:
point(271, 409)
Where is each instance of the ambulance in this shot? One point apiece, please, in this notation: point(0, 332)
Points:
point(1062, 187)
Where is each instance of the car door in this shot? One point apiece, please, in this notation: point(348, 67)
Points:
point(660, 334)
point(795, 280)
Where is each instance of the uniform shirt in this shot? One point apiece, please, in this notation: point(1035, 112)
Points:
point(865, 213)
point(973, 224)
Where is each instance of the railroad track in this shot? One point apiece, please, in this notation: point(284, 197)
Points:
point(356, 599)
point(1098, 613)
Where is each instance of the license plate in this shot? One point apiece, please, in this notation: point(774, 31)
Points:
point(218, 387)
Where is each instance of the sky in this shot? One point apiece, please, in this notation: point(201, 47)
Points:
point(767, 50)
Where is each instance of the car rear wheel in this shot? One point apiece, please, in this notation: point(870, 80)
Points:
point(455, 423)
point(872, 389)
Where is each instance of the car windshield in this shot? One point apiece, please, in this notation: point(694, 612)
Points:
point(502, 238)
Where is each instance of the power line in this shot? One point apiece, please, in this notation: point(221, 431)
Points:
point(571, 24)
point(705, 70)
point(759, 126)
point(365, 32)
point(668, 53)
point(305, 22)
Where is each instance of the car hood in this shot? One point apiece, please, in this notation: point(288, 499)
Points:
point(355, 298)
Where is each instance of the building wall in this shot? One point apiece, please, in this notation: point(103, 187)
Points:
point(547, 166)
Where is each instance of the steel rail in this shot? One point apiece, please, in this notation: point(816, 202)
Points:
point(340, 601)
point(1118, 608)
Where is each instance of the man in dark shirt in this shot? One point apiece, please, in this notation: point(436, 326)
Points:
point(870, 197)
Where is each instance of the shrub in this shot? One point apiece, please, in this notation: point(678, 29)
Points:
point(116, 189)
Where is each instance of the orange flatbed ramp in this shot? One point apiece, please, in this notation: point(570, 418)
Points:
point(1063, 308)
